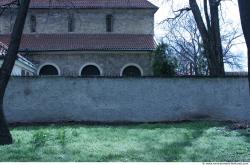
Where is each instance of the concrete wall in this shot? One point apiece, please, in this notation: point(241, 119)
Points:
point(110, 63)
point(135, 100)
point(131, 21)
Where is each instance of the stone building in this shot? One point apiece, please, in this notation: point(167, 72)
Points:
point(86, 37)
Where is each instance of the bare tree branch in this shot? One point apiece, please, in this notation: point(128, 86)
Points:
point(8, 5)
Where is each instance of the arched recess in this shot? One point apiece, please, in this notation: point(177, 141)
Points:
point(49, 69)
point(90, 69)
point(131, 70)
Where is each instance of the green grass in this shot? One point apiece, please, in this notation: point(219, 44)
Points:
point(189, 141)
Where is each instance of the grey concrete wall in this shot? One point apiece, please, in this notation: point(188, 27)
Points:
point(131, 21)
point(110, 63)
point(135, 100)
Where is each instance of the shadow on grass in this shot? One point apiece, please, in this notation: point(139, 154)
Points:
point(173, 151)
point(167, 152)
point(245, 133)
point(176, 124)
point(153, 142)
point(18, 153)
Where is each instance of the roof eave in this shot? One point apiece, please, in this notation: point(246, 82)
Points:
point(152, 8)
point(55, 50)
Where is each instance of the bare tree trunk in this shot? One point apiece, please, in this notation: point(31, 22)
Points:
point(8, 64)
point(210, 35)
point(216, 36)
point(5, 136)
point(244, 7)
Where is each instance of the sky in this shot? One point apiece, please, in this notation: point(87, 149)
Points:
point(230, 14)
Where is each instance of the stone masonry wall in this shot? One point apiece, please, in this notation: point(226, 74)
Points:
point(136, 21)
point(110, 63)
point(56, 99)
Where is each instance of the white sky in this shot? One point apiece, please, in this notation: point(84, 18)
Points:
point(230, 14)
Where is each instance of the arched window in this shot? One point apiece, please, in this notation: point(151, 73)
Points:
point(131, 71)
point(90, 70)
point(49, 70)
point(33, 23)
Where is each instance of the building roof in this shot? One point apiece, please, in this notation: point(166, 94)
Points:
point(88, 4)
point(84, 42)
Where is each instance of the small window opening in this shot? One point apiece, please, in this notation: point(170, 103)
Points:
point(131, 71)
point(109, 23)
point(71, 23)
point(48, 70)
point(22, 72)
point(33, 23)
point(90, 70)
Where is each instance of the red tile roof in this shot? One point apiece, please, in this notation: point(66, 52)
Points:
point(56, 42)
point(89, 4)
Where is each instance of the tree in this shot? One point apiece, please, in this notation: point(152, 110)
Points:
point(244, 7)
point(210, 34)
point(164, 64)
point(184, 38)
point(209, 28)
point(8, 64)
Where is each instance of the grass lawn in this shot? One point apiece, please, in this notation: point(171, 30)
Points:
point(188, 141)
